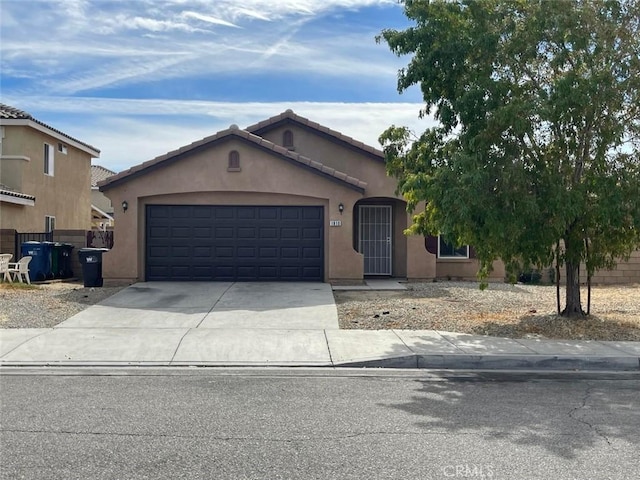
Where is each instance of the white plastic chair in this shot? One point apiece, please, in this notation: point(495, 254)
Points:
point(4, 266)
point(20, 269)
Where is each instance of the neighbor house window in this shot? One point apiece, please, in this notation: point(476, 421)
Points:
point(287, 139)
point(49, 223)
point(48, 159)
point(234, 161)
point(448, 250)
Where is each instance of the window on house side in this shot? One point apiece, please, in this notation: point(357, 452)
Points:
point(287, 139)
point(48, 159)
point(447, 250)
point(234, 161)
point(49, 223)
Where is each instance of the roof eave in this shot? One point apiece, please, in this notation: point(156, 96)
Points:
point(333, 135)
point(26, 200)
point(224, 135)
point(25, 122)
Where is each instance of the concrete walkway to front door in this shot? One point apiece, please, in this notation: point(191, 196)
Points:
point(277, 305)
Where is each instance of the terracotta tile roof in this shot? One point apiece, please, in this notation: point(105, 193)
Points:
point(11, 113)
point(4, 190)
point(99, 173)
point(289, 115)
point(247, 136)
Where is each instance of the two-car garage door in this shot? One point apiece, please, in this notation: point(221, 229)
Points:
point(234, 243)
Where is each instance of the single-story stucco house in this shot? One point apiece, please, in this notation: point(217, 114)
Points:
point(284, 199)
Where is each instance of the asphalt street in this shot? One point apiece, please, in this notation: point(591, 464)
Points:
point(317, 424)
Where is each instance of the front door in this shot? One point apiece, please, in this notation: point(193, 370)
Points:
point(374, 242)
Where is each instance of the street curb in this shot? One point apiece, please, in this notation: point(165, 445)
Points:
point(416, 362)
point(501, 362)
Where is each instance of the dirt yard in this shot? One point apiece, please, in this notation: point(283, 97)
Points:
point(516, 311)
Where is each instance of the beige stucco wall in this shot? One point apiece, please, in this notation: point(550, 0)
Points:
point(344, 159)
point(626, 272)
point(202, 178)
point(466, 269)
point(65, 195)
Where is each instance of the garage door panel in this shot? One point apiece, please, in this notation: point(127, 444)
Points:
point(224, 232)
point(234, 243)
point(202, 232)
point(311, 233)
point(291, 214)
point(292, 233)
point(224, 252)
point(246, 233)
point(246, 213)
point(290, 252)
point(311, 253)
point(267, 233)
point(268, 253)
point(181, 252)
point(202, 252)
point(159, 232)
point(202, 212)
point(246, 253)
point(159, 211)
point(268, 213)
point(202, 271)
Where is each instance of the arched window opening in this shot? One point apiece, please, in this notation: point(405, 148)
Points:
point(287, 139)
point(234, 161)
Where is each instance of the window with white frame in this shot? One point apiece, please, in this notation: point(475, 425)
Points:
point(448, 250)
point(49, 223)
point(48, 159)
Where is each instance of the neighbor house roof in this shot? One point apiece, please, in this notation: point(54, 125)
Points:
point(289, 116)
point(98, 174)
point(13, 116)
point(244, 135)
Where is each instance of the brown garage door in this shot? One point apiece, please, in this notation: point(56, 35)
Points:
point(234, 243)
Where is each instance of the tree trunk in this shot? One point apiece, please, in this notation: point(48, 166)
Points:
point(558, 277)
point(573, 306)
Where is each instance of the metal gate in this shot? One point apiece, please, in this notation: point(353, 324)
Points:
point(20, 238)
point(374, 235)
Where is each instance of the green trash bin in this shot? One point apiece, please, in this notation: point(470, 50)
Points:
point(55, 251)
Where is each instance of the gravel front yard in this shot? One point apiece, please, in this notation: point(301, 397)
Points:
point(46, 305)
point(503, 310)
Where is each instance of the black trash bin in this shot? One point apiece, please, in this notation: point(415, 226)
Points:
point(91, 261)
point(61, 260)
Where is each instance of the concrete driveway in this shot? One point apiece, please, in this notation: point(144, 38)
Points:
point(251, 305)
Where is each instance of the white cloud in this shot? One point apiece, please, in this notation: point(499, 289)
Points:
point(88, 44)
point(207, 19)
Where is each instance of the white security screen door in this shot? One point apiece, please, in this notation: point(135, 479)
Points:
point(375, 238)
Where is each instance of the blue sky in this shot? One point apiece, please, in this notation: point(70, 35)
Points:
point(138, 78)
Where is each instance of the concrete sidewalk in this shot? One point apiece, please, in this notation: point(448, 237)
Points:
point(204, 346)
point(275, 324)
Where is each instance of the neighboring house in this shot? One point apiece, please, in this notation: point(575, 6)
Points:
point(44, 176)
point(285, 199)
point(101, 208)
